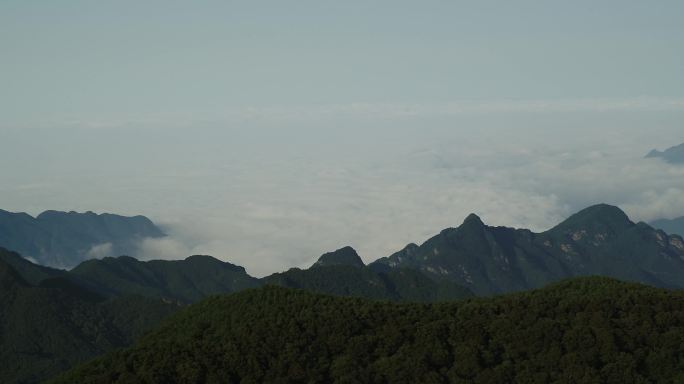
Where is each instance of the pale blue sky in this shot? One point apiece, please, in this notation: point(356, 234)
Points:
point(103, 60)
point(266, 133)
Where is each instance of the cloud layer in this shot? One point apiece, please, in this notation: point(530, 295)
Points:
point(270, 194)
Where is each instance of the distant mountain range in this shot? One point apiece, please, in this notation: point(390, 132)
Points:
point(674, 155)
point(64, 239)
point(671, 226)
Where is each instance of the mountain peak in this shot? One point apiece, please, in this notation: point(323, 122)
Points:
point(342, 256)
point(472, 221)
point(599, 217)
point(604, 210)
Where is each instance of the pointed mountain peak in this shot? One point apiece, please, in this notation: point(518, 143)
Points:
point(343, 256)
point(597, 218)
point(472, 221)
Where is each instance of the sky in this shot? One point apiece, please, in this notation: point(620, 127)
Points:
point(266, 133)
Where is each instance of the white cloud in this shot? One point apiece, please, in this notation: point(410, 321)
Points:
point(100, 251)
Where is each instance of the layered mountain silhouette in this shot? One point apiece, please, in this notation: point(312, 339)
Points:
point(192, 279)
point(671, 226)
point(674, 155)
point(64, 239)
point(599, 240)
point(343, 273)
point(48, 327)
point(582, 330)
point(51, 319)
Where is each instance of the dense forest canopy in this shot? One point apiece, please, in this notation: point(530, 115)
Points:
point(584, 330)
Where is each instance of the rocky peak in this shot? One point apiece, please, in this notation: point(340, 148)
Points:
point(342, 256)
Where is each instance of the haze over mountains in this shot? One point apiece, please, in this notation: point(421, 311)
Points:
point(672, 226)
point(64, 239)
point(486, 260)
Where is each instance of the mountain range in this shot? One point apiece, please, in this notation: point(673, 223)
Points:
point(599, 240)
point(473, 257)
point(343, 273)
point(671, 226)
point(52, 319)
point(64, 239)
point(196, 277)
point(104, 304)
point(674, 155)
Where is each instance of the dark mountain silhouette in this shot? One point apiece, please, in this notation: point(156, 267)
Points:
point(184, 281)
point(342, 273)
point(343, 256)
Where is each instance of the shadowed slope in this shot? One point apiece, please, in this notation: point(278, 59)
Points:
point(48, 328)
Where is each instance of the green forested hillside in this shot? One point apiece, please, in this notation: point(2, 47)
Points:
point(48, 328)
point(585, 330)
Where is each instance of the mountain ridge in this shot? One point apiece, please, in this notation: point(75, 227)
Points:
point(671, 226)
point(64, 239)
point(600, 239)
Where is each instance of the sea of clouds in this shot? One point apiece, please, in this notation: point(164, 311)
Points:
point(273, 189)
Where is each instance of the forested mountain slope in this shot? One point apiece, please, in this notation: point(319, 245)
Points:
point(583, 330)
